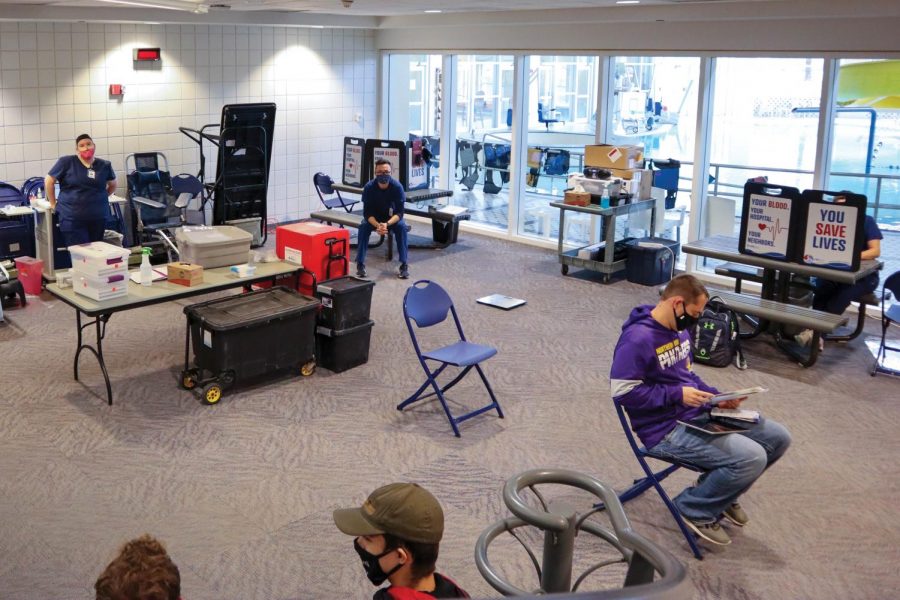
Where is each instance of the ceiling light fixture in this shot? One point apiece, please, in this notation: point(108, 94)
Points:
point(164, 5)
point(433, 11)
point(628, 1)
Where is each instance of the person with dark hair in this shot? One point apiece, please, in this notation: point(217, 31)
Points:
point(652, 378)
point(398, 531)
point(141, 571)
point(85, 184)
point(383, 199)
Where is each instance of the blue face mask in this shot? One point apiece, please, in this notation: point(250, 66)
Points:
point(383, 179)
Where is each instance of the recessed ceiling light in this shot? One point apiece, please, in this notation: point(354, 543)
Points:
point(628, 1)
point(433, 11)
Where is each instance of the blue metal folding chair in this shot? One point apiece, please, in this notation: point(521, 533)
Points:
point(426, 304)
point(653, 479)
point(323, 183)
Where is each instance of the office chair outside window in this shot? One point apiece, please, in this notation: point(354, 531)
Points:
point(548, 115)
point(653, 479)
point(427, 304)
point(323, 184)
point(889, 316)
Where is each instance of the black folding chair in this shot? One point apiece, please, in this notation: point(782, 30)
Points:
point(889, 316)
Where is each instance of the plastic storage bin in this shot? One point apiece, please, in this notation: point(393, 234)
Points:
point(651, 261)
point(341, 349)
point(324, 248)
point(100, 288)
point(28, 270)
point(346, 302)
point(211, 247)
point(98, 259)
point(249, 335)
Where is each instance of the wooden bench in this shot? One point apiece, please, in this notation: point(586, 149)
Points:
point(820, 322)
point(352, 219)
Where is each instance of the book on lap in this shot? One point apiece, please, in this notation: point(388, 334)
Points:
point(715, 426)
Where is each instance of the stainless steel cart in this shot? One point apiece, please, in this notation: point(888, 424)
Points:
point(608, 217)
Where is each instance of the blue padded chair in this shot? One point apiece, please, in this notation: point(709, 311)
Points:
point(426, 304)
point(547, 115)
point(653, 479)
point(187, 187)
point(16, 233)
point(323, 183)
point(889, 315)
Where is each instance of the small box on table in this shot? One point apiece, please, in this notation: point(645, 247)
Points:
point(185, 273)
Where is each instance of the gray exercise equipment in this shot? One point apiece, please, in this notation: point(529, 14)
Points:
point(561, 523)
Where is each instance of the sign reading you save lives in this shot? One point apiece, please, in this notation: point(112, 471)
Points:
point(767, 225)
point(831, 232)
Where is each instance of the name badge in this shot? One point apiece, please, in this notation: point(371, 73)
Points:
point(90, 173)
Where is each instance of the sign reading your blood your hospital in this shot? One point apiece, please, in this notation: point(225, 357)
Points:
point(767, 228)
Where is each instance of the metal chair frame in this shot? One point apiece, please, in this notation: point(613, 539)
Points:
point(427, 304)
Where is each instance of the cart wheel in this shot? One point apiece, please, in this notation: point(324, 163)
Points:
point(564, 269)
point(308, 369)
point(211, 393)
point(189, 379)
point(226, 378)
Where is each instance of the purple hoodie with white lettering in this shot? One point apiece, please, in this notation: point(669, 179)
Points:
point(651, 365)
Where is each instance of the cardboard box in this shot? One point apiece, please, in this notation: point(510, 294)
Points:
point(608, 156)
point(577, 198)
point(185, 273)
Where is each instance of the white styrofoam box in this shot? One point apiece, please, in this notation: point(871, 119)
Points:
point(100, 288)
point(97, 259)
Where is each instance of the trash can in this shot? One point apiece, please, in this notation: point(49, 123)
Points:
point(346, 302)
point(651, 261)
point(246, 336)
point(341, 349)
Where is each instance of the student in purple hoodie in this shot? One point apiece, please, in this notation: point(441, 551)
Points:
point(652, 378)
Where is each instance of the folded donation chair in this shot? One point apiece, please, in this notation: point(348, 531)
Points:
point(155, 208)
point(427, 304)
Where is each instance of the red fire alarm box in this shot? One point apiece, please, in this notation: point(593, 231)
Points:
point(116, 89)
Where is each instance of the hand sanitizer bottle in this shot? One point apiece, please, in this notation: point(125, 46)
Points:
point(604, 198)
point(146, 269)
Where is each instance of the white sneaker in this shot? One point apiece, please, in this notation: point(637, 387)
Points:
point(804, 338)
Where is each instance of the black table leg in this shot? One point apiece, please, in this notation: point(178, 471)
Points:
point(99, 323)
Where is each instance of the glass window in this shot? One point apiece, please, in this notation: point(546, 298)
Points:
point(653, 103)
point(865, 152)
point(414, 102)
point(483, 105)
point(764, 124)
point(562, 94)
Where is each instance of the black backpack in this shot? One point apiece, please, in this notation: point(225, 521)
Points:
point(715, 339)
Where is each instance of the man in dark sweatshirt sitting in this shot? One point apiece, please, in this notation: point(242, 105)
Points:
point(652, 378)
point(383, 199)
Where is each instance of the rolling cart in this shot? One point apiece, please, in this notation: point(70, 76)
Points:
point(248, 336)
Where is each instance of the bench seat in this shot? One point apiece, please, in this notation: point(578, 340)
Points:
point(352, 219)
point(771, 310)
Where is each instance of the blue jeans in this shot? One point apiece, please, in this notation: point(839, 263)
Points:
point(399, 231)
point(732, 462)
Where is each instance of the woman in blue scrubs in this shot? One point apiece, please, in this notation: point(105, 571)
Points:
point(85, 184)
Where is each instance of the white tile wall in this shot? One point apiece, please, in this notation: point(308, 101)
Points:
point(54, 80)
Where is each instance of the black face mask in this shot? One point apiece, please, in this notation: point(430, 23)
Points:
point(370, 563)
point(685, 321)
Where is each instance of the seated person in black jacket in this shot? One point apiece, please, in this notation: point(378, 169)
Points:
point(398, 531)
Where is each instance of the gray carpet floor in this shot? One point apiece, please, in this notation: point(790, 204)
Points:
point(242, 492)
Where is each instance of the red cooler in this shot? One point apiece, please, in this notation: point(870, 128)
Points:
point(29, 270)
point(324, 250)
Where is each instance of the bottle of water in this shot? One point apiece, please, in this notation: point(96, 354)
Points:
point(146, 269)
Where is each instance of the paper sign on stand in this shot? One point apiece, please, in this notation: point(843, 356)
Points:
point(834, 230)
point(768, 215)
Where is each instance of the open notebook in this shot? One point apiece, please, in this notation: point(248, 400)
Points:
point(501, 301)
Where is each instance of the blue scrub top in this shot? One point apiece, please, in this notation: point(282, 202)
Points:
point(82, 191)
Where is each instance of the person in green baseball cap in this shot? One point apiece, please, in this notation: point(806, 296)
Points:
point(398, 531)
